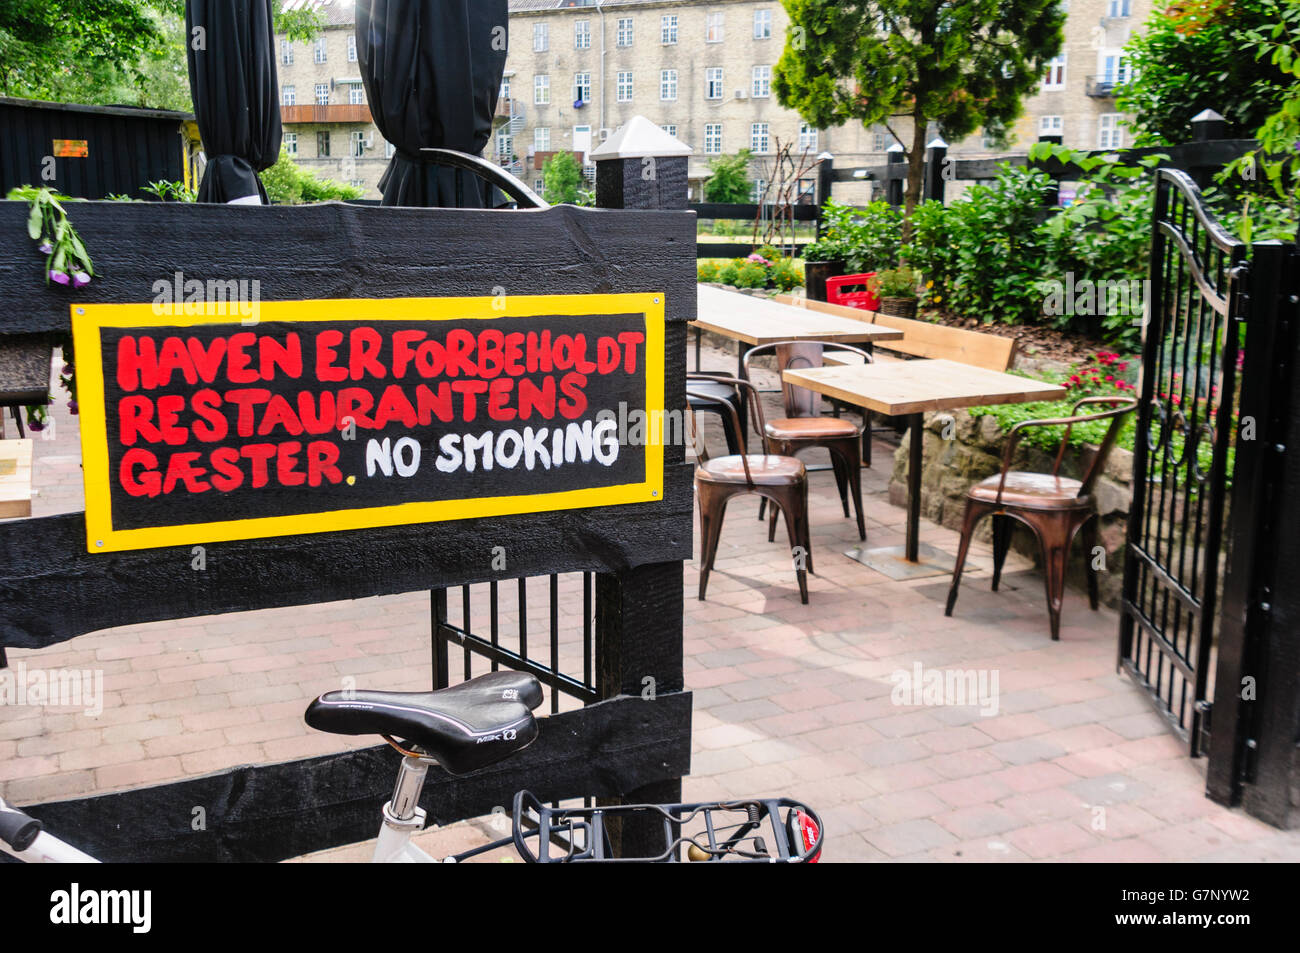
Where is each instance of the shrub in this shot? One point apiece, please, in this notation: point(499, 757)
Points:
point(707, 271)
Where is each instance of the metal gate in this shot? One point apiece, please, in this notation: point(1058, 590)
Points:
point(1185, 437)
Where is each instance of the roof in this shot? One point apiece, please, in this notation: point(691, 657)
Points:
point(129, 112)
point(335, 12)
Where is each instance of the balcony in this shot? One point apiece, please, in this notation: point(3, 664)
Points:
point(540, 159)
point(1104, 86)
point(342, 112)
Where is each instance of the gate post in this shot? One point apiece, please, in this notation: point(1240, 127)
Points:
point(639, 631)
point(1253, 752)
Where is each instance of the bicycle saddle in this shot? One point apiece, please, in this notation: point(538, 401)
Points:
point(464, 727)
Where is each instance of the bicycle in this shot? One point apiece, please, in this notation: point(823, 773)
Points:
point(476, 724)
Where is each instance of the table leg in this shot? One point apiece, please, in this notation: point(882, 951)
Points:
point(914, 463)
point(743, 348)
point(699, 333)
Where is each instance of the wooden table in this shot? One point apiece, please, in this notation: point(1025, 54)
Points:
point(753, 321)
point(909, 389)
point(15, 479)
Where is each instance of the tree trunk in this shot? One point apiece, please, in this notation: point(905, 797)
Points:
point(915, 171)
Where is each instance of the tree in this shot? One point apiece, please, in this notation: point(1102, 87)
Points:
point(729, 182)
point(562, 180)
point(962, 64)
point(1196, 55)
point(109, 51)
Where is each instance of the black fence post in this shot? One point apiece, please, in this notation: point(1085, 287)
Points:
point(639, 629)
point(1052, 196)
point(936, 156)
point(825, 181)
point(1207, 126)
point(894, 184)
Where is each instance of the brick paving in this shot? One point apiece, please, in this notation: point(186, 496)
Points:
point(789, 699)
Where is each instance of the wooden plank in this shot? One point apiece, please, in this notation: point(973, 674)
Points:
point(913, 387)
point(924, 339)
point(15, 479)
point(341, 250)
point(756, 321)
point(268, 813)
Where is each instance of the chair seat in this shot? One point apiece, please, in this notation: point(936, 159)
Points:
point(1040, 490)
point(765, 469)
point(812, 428)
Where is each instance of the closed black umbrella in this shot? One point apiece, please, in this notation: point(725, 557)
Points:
point(432, 70)
point(236, 95)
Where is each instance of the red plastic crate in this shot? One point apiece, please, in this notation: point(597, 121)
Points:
point(851, 291)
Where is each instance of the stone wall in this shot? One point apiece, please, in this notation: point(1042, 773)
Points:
point(962, 449)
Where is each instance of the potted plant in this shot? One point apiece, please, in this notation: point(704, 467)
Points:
point(896, 288)
point(823, 259)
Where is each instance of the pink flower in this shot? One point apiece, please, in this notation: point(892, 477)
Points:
point(59, 277)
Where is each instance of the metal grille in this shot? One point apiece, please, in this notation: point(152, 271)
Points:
point(528, 624)
point(1185, 429)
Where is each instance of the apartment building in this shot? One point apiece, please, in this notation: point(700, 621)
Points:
point(702, 69)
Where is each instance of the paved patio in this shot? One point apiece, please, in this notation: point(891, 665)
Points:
point(1073, 764)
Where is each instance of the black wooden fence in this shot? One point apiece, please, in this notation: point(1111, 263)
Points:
point(619, 744)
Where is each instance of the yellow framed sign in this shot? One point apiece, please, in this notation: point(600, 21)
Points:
point(205, 422)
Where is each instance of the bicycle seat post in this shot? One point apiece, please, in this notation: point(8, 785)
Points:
point(403, 816)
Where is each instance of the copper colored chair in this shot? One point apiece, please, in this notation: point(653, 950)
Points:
point(803, 425)
point(782, 481)
point(1056, 508)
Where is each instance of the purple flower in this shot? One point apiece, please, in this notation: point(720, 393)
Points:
point(80, 279)
point(46, 248)
point(72, 407)
point(59, 278)
point(35, 426)
point(67, 370)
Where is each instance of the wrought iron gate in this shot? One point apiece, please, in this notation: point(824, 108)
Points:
point(1185, 436)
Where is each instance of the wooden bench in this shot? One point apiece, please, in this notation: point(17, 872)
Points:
point(923, 339)
point(24, 378)
point(920, 339)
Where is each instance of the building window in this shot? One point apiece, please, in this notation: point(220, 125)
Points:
point(713, 139)
point(322, 94)
point(713, 28)
point(390, 150)
point(624, 31)
point(582, 87)
point(807, 137)
point(542, 139)
point(1055, 77)
point(1051, 125)
point(713, 82)
point(625, 86)
point(668, 29)
point(539, 185)
point(760, 189)
point(762, 82)
point(288, 96)
point(541, 89)
point(323, 144)
point(1116, 9)
point(1114, 69)
point(357, 95)
point(291, 143)
point(670, 129)
point(320, 50)
point(582, 35)
point(1109, 135)
point(880, 140)
point(762, 24)
point(358, 145)
point(286, 52)
point(759, 138)
point(352, 47)
point(988, 140)
point(668, 85)
point(808, 187)
point(541, 37)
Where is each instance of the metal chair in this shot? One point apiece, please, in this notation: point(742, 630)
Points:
point(1056, 508)
point(713, 397)
point(781, 480)
point(804, 427)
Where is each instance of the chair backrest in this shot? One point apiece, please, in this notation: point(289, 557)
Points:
point(1120, 408)
point(800, 401)
point(923, 339)
point(756, 411)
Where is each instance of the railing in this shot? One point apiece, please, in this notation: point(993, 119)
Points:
point(339, 112)
point(1104, 86)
